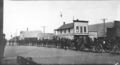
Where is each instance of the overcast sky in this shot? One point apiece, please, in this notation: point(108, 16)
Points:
point(18, 15)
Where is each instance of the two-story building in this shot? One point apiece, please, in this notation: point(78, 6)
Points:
point(76, 29)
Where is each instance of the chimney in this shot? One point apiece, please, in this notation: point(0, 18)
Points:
point(63, 23)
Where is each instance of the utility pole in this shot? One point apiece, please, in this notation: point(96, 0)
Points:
point(73, 17)
point(44, 29)
point(104, 27)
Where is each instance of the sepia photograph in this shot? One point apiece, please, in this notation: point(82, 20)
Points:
point(59, 32)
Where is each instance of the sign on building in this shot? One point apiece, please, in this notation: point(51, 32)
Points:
point(93, 35)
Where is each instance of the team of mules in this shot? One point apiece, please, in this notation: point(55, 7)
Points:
point(96, 45)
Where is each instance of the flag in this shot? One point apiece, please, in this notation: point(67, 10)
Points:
point(61, 14)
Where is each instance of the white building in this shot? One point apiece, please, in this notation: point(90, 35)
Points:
point(46, 36)
point(35, 35)
point(29, 34)
point(77, 28)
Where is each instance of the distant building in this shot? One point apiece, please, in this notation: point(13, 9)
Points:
point(35, 35)
point(29, 34)
point(77, 28)
point(46, 36)
point(108, 29)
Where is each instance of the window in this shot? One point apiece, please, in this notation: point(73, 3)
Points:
point(77, 29)
point(64, 31)
point(69, 30)
point(61, 31)
point(85, 29)
point(81, 30)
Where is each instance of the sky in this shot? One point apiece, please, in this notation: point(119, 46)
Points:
point(20, 15)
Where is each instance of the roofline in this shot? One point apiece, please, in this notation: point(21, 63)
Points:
point(61, 29)
point(80, 21)
point(102, 23)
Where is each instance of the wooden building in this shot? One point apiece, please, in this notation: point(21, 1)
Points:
point(35, 35)
point(31, 35)
point(76, 29)
point(108, 29)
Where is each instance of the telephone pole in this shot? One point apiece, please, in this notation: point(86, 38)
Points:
point(104, 26)
point(44, 29)
point(73, 17)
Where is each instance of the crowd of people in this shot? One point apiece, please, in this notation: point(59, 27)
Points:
point(78, 44)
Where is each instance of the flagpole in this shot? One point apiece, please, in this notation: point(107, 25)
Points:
point(61, 16)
